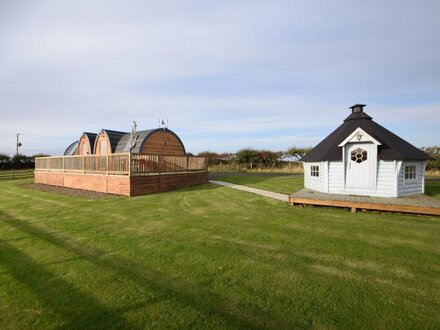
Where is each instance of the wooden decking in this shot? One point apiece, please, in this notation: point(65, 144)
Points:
point(419, 204)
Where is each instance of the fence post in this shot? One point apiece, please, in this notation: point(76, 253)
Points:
point(83, 165)
point(107, 165)
point(12, 174)
point(187, 164)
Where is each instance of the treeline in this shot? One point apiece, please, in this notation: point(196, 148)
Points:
point(251, 158)
point(434, 152)
point(17, 161)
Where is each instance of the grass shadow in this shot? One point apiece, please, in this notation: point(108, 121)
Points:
point(200, 298)
point(77, 309)
point(432, 188)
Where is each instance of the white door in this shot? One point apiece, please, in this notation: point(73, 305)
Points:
point(359, 169)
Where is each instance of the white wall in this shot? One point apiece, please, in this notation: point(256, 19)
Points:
point(410, 187)
point(386, 179)
point(316, 183)
point(336, 177)
point(390, 179)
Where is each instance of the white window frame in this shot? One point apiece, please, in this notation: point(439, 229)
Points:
point(314, 171)
point(412, 174)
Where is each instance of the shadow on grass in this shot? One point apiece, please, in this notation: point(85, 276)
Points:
point(432, 188)
point(76, 308)
point(30, 273)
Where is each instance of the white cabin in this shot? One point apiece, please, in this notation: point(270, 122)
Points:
point(363, 158)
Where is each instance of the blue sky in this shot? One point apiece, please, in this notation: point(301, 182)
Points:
point(227, 74)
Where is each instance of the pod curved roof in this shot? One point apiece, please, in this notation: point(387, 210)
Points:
point(71, 149)
point(121, 141)
point(92, 138)
point(392, 146)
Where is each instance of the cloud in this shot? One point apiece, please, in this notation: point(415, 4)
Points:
point(226, 74)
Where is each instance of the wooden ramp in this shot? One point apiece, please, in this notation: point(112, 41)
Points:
point(418, 204)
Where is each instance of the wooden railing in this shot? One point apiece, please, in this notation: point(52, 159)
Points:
point(122, 164)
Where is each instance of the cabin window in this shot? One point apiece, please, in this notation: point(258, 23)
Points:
point(103, 147)
point(410, 172)
point(359, 155)
point(314, 171)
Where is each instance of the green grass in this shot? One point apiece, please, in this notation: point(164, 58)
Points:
point(279, 184)
point(211, 257)
point(432, 188)
point(291, 184)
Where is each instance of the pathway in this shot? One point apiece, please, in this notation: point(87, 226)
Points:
point(261, 192)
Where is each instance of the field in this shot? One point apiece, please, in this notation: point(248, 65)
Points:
point(212, 257)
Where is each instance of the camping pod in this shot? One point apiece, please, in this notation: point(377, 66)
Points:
point(160, 141)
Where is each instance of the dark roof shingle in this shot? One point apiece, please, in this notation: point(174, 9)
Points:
point(392, 148)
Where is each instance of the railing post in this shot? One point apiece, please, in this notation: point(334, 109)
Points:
point(63, 166)
point(130, 164)
point(187, 164)
point(107, 168)
point(83, 165)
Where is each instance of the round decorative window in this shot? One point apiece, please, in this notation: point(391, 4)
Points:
point(359, 155)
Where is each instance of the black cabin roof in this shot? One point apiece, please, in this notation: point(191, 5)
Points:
point(392, 147)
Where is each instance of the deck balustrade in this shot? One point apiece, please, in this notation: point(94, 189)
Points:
point(122, 164)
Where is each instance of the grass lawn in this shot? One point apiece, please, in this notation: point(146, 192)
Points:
point(280, 184)
point(291, 184)
point(211, 257)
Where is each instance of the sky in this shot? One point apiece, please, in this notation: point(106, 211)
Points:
point(226, 74)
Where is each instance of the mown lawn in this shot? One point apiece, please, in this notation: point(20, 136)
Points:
point(291, 184)
point(281, 184)
point(211, 257)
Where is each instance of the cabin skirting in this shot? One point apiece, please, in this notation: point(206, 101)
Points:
point(122, 184)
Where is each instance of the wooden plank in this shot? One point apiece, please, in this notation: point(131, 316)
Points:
point(368, 206)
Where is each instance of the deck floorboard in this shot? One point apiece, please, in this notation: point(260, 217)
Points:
point(418, 204)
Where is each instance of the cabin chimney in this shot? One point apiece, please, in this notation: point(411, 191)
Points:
point(357, 108)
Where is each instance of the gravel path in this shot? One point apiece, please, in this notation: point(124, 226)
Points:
point(261, 192)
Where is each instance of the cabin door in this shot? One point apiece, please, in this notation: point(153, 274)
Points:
point(359, 169)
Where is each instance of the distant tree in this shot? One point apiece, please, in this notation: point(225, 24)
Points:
point(249, 157)
point(5, 161)
point(434, 152)
point(39, 155)
point(4, 158)
point(297, 153)
point(211, 156)
point(22, 161)
point(269, 158)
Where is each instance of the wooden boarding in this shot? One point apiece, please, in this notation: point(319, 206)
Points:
point(122, 174)
point(418, 204)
